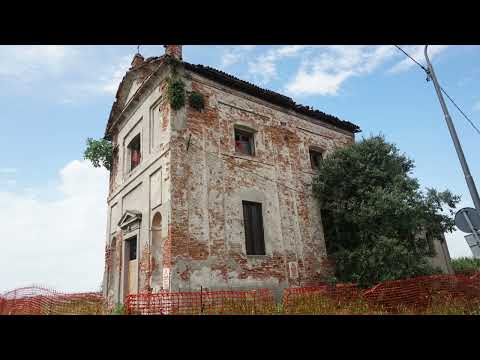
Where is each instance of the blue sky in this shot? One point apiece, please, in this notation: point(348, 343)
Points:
point(54, 97)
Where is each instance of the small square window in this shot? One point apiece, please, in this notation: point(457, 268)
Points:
point(244, 142)
point(135, 154)
point(315, 159)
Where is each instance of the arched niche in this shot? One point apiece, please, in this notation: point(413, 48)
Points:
point(157, 250)
point(113, 267)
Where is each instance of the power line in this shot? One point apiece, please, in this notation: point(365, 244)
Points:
point(415, 61)
point(461, 112)
point(448, 96)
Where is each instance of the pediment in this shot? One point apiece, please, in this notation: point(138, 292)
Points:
point(131, 83)
point(134, 85)
point(129, 217)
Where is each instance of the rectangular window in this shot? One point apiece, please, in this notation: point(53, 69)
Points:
point(135, 154)
point(244, 142)
point(315, 159)
point(253, 222)
point(132, 248)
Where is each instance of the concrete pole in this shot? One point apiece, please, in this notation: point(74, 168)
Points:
point(458, 147)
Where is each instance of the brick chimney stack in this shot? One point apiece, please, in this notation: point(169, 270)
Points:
point(137, 60)
point(174, 51)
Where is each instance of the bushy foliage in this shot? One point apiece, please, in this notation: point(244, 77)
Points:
point(378, 224)
point(196, 100)
point(176, 94)
point(99, 152)
point(466, 265)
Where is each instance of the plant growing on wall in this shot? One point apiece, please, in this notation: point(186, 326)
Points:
point(176, 93)
point(378, 224)
point(99, 152)
point(176, 87)
point(196, 101)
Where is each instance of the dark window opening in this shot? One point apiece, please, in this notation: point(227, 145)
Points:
point(132, 248)
point(253, 222)
point(135, 155)
point(244, 142)
point(315, 159)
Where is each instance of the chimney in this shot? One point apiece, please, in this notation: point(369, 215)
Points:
point(174, 51)
point(137, 60)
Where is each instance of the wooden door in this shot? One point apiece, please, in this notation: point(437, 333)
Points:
point(132, 276)
point(132, 265)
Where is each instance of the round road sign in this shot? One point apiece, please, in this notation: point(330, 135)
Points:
point(462, 223)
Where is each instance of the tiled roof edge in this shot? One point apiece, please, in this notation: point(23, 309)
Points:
point(270, 96)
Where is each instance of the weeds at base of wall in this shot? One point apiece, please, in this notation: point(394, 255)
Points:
point(119, 310)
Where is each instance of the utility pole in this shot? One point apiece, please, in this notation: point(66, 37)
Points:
point(468, 177)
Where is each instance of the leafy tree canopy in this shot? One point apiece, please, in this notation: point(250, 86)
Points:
point(378, 224)
point(99, 152)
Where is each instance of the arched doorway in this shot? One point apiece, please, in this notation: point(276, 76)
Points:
point(112, 267)
point(157, 251)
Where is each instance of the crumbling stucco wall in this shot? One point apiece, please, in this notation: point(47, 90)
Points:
point(144, 189)
point(209, 181)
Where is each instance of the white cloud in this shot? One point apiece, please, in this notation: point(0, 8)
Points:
point(416, 52)
point(59, 243)
point(8, 171)
point(111, 79)
point(67, 74)
point(107, 81)
point(26, 63)
point(317, 82)
point(264, 68)
point(325, 71)
point(234, 54)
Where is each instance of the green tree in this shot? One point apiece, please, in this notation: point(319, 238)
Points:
point(99, 152)
point(378, 224)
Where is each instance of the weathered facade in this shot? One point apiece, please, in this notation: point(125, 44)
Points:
point(183, 190)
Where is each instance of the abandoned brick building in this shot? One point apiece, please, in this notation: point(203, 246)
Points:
point(218, 195)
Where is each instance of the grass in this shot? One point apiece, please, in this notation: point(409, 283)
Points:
point(307, 304)
point(466, 266)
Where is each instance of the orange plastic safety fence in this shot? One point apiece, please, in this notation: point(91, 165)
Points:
point(201, 302)
point(36, 300)
point(415, 293)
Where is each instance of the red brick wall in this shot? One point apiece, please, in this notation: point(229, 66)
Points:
point(207, 184)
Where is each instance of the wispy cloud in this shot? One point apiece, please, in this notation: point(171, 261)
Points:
point(416, 52)
point(325, 71)
point(235, 54)
point(113, 76)
point(105, 83)
point(264, 68)
point(27, 63)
